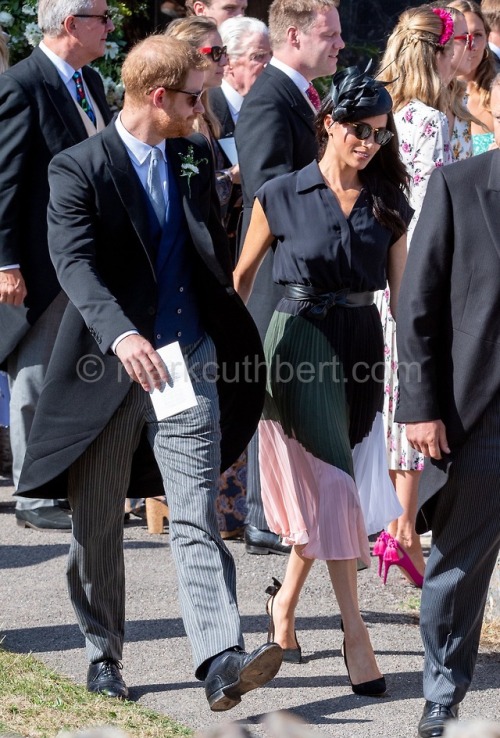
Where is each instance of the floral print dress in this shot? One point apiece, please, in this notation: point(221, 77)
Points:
point(424, 143)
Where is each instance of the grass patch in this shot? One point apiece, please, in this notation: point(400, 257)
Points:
point(35, 702)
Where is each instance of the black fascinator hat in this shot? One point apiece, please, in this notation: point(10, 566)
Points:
point(355, 95)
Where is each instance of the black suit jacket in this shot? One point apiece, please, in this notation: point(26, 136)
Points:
point(221, 111)
point(38, 119)
point(448, 314)
point(99, 238)
point(274, 135)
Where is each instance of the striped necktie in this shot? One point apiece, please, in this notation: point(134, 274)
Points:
point(82, 98)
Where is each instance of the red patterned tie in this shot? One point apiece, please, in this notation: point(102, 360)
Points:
point(313, 96)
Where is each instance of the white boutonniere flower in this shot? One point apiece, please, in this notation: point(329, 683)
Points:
point(189, 166)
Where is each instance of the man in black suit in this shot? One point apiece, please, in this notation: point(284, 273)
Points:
point(248, 51)
point(275, 135)
point(41, 114)
point(449, 367)
point(135, 236)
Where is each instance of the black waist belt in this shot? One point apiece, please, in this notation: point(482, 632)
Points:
point(323, 301)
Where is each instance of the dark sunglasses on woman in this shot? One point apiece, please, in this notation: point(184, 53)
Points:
point(362, 131)
point(215, 52)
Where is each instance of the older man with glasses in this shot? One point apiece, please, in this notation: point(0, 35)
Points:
point(48, 102)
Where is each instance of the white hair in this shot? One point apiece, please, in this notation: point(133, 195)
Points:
point(233, 32)
point(52, 13)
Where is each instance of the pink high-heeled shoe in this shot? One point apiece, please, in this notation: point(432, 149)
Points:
point(395, 554)
point(380, 547)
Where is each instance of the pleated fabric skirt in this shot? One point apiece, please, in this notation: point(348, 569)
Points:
point(325, 388)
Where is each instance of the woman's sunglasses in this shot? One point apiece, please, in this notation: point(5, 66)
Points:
point(469, 40)
point(362, 131)
point(216, 52)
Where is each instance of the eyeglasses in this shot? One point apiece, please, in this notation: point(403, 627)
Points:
point(105, 17)
point(216, 52)
point(362, 131)
point(194, 97)
point(469, 40)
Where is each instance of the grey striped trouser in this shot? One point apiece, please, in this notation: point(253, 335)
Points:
point(187, 449)
point(465, 545)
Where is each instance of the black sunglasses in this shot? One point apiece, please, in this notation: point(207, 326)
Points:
point(362, 131)
point(194, 97)
point(216, 52)
point(103, 17)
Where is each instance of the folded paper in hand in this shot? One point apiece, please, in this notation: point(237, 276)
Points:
point(178, 393)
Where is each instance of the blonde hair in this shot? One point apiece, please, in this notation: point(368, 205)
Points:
point(4, 51)
point(158, 61)
point(194, 29)
point(485, 70)
point(298, 13)
point(491, 11)
point(409, 63)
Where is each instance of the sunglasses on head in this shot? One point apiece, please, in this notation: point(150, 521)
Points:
point(468, 38)
point(362, 131)
point(216, 52)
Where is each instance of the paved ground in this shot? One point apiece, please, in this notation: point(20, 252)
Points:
point(36, 617)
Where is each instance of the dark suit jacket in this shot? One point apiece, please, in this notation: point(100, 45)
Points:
point(274, 135)
point(449, 308)
point(38, 119)
point(99, 237)
point(221, 111)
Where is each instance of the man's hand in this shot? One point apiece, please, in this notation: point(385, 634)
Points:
point(142, 363)
point(428, 438)
point(12, 287)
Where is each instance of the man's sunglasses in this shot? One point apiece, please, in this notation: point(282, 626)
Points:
point(194, 97)
point(468, 38)
point(362, 131)
point(103, 17)
point(216, 52)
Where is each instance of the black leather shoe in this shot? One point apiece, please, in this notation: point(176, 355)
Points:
point(44, 518)
point(234, 673)
point(264, 542)
point(104, 678)
point(434, 719)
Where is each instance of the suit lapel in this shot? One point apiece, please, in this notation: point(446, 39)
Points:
point(129, 189)
point(97, 92)
point(298, 103)
point(489, 198)
point(59, 96)
point(190, 194)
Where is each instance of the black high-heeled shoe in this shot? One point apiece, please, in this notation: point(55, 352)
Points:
point(373, 688)
point(291, 655)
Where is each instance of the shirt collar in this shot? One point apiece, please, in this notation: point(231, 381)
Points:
point(138, 149)
point(495, 49)
point(234, 99)
point(66, 71)
point(309, 177)
point(295, 76)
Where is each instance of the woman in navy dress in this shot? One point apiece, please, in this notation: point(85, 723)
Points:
point(338, 227)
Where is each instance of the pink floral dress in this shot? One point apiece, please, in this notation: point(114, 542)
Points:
point(424, 145)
